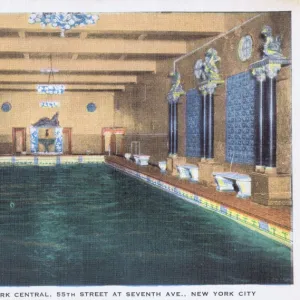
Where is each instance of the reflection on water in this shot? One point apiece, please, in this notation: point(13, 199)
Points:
point(91, 225)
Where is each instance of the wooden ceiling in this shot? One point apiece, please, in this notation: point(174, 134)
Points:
point(106, 56)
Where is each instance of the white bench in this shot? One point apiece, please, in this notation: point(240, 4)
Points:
point(188, 171)
point(225, 181)
point(127, 156)
point(163, 166)
point(142, 160)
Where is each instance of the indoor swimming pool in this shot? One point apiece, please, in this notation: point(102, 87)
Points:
point(89, 224)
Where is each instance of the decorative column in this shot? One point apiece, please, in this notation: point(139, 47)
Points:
point(207, 89)
point(266, 71)
point(260, 75)
point(175, 127)
point(210, 89)
point(171, 129)
point(201, 107)
point(34, 139)
point(271, 71)
point(58, 140)
point(204, 135)
point(208, 78)
point(207, 74)
point(173, 96)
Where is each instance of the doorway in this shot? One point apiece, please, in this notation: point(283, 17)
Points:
point(18, 140)
point(67, 140)
point(113, 140)
point(106, 140)
point(117, 144)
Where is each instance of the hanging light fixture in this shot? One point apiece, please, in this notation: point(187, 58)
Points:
point(64, 21)
point(48, 70)
point(50, 89)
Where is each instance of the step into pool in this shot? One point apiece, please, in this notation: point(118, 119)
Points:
point(89, 224)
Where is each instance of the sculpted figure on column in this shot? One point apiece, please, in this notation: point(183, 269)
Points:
point(199, 70)
point(176, 90)
point(272, 47)
point(211, 70)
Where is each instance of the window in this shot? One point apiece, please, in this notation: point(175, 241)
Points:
point(245, 48)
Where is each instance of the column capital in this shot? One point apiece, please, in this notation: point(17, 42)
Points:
point(259, 73)
point(272, 70)
point(208, 87)
point(203, 90)
point(268, 67)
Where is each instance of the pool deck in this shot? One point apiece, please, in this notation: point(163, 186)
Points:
point(280, 216)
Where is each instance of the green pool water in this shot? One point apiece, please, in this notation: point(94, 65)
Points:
point(93, 225)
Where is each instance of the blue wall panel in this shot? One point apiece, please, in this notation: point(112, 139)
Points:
point(193, 126)
point(240, 118)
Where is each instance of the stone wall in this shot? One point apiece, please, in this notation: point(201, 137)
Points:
point(143, 110)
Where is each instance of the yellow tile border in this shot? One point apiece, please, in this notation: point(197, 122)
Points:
point(281, 235)
point(41, 160)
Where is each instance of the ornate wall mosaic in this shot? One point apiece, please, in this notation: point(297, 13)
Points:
point(240, 118)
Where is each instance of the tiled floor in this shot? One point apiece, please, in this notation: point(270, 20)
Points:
point(278, 216)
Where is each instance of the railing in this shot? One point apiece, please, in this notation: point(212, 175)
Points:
point(135, 147)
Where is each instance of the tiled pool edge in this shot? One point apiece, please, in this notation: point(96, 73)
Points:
point(269, 230)
point(49, 160)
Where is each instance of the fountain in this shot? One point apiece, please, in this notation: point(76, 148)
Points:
point(46, 132)
point(46, 143)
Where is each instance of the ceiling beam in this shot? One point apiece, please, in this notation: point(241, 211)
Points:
point(88, 65)
point(94, 46)
point(22, 34)
point(132, 23)
point(68, 87)
point(83, 35)
point(142, 37)
point(58, 78)
point(122, 57)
